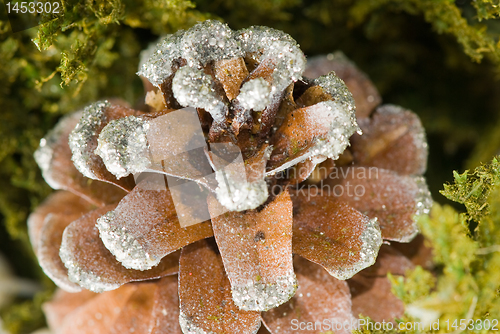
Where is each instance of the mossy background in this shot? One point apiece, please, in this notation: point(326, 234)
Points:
point(439, 58)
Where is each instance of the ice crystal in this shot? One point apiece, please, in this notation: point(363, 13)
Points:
point(124, 247)
point(264, 296)
point(90, 120)
point(44, 154)
point(371, 239)
point(189, 327)
point(237, 195)
point(342, 127)
point(193, 88)
point(214, 41)
point(423, 198)
point(336, 123)
point(208, 41)
point(123, 147)
point(254, 94)
point(76, 274)
point(277, 47)
point(205, 42)
point(336, 87)
point(159, 65)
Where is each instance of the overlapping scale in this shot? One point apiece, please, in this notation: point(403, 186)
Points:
point(146, 308)
point(320, 299)
point(92, 266)
point(83, 141)
point(256, 248)
point(231, 73)
point(334, 235)
point(46, 226)
point(371, 289)
point(99, 314)
point(395, 200)
point(135, 316)
point(63, 304)
point(363, 90)
point(144, 228)
point(60, 202)
point(165, 315)
point(54, 159)
point(393, 138)
point(322, 129)
point(206, 303)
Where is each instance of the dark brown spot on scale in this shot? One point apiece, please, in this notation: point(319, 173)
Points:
point(259, 236)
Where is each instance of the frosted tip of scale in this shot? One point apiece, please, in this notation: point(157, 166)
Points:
point(123, 146)
point(83, 133)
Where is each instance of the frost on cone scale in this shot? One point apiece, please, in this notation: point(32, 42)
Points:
point(232, 119)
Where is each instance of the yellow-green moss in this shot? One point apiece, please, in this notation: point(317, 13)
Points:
point(468, 265)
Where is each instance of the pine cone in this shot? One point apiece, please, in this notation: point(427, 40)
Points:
point(253, 155)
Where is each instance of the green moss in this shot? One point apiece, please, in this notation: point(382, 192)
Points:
point(27, 316)
point(467, 285)
point(446, 17)
point(473, 189)
point(416, 284)
point(92, 28)
point(487, 9)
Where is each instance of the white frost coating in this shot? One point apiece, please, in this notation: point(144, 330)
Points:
point(254, 38)
point(84, 278)
point(239, 195)
point(159, 65)
point(151, 50)
point(188, 326)
point(371, 239)
point(254, 94)
point(341, 126)
point(123, 146)
point(423, 199)
point(261, 296)
point(336, 87)
point(211, 41)
point(207, 41)
point(193, 88)
point(83, 132)
point(276, 45)
point(43, 155)
point(124, 246)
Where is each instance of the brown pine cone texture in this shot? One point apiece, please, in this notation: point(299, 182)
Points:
point(297, 188)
